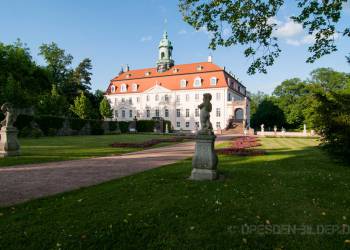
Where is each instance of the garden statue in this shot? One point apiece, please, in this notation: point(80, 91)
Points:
point(205, 109)
point(10, 115)
point(8, 134)
point(205, 160)
point(262, 127)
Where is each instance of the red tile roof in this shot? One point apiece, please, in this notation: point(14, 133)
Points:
point(170, 79)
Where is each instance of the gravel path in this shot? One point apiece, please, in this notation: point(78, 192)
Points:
point(25, 182)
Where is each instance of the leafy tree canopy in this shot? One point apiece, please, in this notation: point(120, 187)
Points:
point(105, 108)
point(250, 24)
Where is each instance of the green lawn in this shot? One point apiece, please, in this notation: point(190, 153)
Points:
point(48, 149)
point(294, 184)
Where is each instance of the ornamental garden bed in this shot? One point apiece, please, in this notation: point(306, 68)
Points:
point(243, 146)
point(150, 143)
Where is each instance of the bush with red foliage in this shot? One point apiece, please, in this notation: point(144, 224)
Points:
point(242, 146)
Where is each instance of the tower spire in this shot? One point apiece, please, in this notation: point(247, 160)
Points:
point(165, 48)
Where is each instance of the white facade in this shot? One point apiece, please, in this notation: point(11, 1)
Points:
point(178, 106)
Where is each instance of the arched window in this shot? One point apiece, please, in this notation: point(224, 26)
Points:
point(213, 81)
point(134, 87)
point(157, 97)
point(123, 87)
point(113, 89)
point(162, 55)
point(197, 82)
point(183, 83)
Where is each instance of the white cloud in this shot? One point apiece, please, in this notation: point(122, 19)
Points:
point(182, 32)
point(306, 39)
point(146, 38)
point(204, 30)
point(287, 29)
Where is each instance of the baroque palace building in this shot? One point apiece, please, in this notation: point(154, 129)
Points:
point(173, 93)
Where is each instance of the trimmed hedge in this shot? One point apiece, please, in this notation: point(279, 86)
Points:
point(53, 125)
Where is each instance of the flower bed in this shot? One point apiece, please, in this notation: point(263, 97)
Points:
point(242, 146)
point(149, 143)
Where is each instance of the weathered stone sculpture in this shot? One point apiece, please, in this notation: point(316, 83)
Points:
point(9, 145)
point(205, 160)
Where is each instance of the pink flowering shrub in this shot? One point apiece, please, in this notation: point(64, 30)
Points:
point(242, 146)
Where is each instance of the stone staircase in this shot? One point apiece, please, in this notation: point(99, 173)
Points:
point(234, 127)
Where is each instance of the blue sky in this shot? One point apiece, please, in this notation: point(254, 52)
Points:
point(113, 33)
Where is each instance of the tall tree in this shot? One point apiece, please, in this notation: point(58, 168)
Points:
point(291, 96)
point(58, 62)
point(105, 108)
point(269, 114)
point(250, 23)
point(82, 74)
point(82, 107)
point(21, 80)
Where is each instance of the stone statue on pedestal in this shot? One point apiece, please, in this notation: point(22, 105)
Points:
point(205, 160)
point(10, 115)
point(205, 109)
point(9, 145)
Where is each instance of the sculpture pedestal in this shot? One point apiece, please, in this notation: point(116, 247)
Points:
point(9, 145)
point(205, 160)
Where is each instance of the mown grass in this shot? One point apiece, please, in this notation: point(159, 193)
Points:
point(294, 184)
point(48, 149)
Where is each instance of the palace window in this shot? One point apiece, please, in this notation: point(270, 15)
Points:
point(197, 82)
point(218, 125)
point(218, 96)
point(183, 83)
point(116, 113)
point(166, 113)
point(166, 98)
point(147, 97)
point(130, 100)
point(157, 112)
point(196, 112)
point(197, 124)
point(178, 113)
point(187, 97)
point(213, 81)
point(187, 124)
point(157, 97)
point(196, 96)
point(178, 124)
point(178, 98)
point(138, 114)
point(134, 87)
point(137, 99)
point(187, 113)
point(123, 87)
point(218, 112)
point(229, 98)
point(123, 113)
point(123, 100)
point(130, 113)
point(113, 89)
point(199, 67)
point(148, 113)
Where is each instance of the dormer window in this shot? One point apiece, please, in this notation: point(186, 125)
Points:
point(199, 67)
point(147, 73)
point(123, 87)
point(175, 70)
point(134, 87)
point(197, 82)
point(113, 89)
point(183, 83)
point(128, 75)
point(213, 81)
